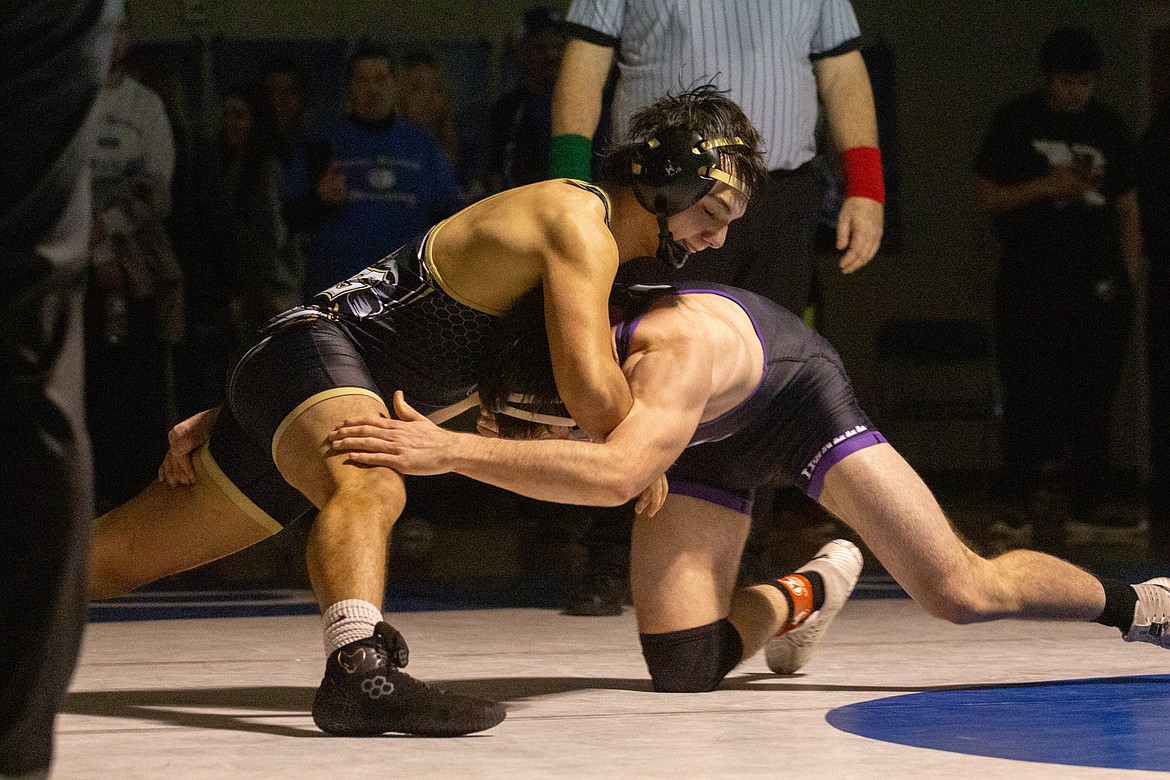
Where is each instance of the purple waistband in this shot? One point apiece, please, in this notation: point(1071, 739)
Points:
point(736, 501)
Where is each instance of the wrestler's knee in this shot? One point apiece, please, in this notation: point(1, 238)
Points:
point(960, 597)
point(693, 660)
point(372, 492)
point(955, 607)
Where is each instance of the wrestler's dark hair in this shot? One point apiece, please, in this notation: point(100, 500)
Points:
point(517, 361)
point(705, 110)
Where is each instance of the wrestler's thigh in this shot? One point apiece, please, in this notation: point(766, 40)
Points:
point(878, 494)
point(684, 563)
point(303, 455)
point(164, 530)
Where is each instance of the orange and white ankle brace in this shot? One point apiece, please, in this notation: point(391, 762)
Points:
point(799, 594)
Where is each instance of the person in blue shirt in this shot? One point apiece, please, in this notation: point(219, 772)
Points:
point(367, 183)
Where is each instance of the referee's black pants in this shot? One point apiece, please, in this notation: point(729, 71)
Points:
point(55, 56)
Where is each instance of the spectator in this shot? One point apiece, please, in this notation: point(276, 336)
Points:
point(521, 120)
point(136, 300)
point(369, 182)
point(242, 202)
point(55, 57)
point(794, 55)
point(152, 70)
point(287, 86)
point(426, 100)
point(1054, 170)
point(194, 387)
point(1153, 188)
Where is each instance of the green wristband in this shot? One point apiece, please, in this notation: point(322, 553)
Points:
point(571, 157)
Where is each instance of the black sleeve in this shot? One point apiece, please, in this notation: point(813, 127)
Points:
point(1120, 175)
point(589, 35)
point(853, 44)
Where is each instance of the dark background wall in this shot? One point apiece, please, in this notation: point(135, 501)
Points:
point(955, 62)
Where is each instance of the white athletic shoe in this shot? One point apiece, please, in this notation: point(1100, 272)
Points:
point(1151, 617)
point(839, 564)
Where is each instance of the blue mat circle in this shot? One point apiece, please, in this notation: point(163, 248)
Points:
point(1108, 722)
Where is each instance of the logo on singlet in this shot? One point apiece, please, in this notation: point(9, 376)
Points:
point(364, 279)
point(808, 470)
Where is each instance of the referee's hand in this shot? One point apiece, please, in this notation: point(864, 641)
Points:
point(859, 232)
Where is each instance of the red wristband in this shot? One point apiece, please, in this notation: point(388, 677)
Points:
point(863, 173)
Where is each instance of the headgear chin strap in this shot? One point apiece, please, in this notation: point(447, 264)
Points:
point(669, 251)
point(673, 170)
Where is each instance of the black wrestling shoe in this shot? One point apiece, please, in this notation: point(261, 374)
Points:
point(601, 592)
point(364, 694)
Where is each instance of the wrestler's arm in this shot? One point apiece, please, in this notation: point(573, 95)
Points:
point(670, 388)
point(580, 260)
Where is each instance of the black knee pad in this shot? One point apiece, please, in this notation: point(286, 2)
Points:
point(694, 660)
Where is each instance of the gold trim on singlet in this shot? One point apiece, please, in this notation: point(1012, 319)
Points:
point(311, 401)
point(428, 259)
point(205, 462)
point(596, 191)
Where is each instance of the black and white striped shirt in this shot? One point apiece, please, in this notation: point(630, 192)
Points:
point(760, 50)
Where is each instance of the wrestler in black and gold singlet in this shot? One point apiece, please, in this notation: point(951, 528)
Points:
point(392, 326)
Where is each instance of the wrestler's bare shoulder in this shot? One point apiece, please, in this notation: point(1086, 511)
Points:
point(554, 196)
point(531, 215)
point(498, 248)
point(710, 333)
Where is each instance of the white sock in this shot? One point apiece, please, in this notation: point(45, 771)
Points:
point(348, 621)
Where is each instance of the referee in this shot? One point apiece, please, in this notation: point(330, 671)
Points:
point(55, 54)
point(776, 60)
